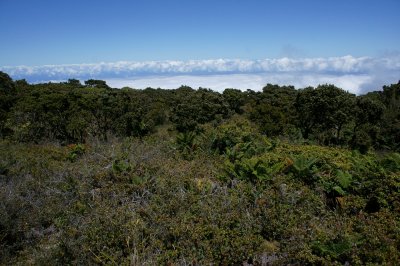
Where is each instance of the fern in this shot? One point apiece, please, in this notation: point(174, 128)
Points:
point(303, 168)
point(186, 143)
point(120, 166)
point(344, 179)
point(392, 162)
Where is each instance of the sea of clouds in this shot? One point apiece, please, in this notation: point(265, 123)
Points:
point(355, 74)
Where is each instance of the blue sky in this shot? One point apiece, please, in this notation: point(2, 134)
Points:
point(37, 33)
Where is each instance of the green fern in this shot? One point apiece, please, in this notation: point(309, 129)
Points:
point(391, 162)
point(186, 141)
point(303, 168)
point(344, 179)
point(340, 185)
point(120, 166)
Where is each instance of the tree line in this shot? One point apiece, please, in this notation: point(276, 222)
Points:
point(71, 112)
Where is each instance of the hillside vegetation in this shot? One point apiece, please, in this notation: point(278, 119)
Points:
point(95, 175)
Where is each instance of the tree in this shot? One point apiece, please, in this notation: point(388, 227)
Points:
point(6, 83)
point(21, 83)
point(197, 107)
point(273, 109)
point(7, 99)
point(235, 99)
point(76, 83)
point(95, 83)
point(367, 115)
point(270, 119)
point(390, 126)
point(324, 110)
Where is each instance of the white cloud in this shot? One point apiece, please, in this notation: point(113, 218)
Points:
point(357, 74)
point(353, 83)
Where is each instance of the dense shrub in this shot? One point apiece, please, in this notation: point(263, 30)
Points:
point(92, 175)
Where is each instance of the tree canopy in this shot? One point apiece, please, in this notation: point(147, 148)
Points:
point(71, 112)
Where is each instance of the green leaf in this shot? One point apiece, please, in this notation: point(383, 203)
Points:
point(344, 179)
point(339, 190)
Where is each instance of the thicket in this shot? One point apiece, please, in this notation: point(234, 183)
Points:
point(95, 175)
point(71, 112)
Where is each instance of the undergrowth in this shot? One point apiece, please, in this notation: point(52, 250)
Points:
point(226, 195)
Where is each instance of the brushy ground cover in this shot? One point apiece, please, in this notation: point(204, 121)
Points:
point(224, 195)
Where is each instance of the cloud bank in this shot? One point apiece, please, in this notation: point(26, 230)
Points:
point(356, 74)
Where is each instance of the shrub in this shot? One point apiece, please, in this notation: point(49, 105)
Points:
point(74, 151)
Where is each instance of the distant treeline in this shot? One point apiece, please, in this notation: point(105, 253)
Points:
point(70, 112)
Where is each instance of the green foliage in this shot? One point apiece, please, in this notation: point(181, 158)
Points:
point(272, 111)
point(91, 83)
point(271, 120)
point(237, 131)
point(177, 177)
point(235, 98)
point(303, 169)
point(335, 250)
point(130, 201)
point(338, 186)
point(391, 162)
point(390, 122)
point(70, 112)
point(196, 108)
point(187, 143)
point(344, 180)
point(74, 151)
point(326, 110)
point(120, 166)
point(252, 169)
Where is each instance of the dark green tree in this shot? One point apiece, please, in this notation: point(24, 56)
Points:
point(367, 116)
point(273, 109)
point(95, 83)
point(390, 126)
point(197, 107)
point(7, 99)
point(75, 83)
point(324, 111)
point(6, 83)
point(235, 99)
